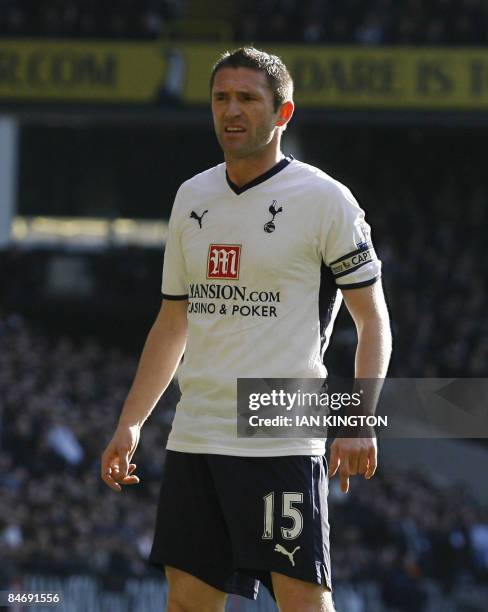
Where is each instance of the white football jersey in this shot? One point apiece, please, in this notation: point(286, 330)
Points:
point(261, 266)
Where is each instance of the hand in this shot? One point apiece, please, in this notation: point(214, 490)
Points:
point(116, 469)
point(352, 456)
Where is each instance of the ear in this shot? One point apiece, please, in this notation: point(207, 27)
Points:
point(285, 113)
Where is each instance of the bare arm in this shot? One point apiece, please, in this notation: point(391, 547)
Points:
point(368, 309)
point(160, 357)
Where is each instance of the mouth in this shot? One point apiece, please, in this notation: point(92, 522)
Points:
point(234, 129)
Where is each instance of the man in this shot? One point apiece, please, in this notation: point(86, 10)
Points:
point(257, 250)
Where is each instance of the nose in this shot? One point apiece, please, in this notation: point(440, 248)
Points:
point(233, 108)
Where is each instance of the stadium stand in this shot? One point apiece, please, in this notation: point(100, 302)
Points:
point(399, 533)
point(380, 22)
point(423, 221)
point(88, 18)
point(376, 22)
point(400, 542)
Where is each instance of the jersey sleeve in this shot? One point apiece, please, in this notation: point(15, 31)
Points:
point(346, 245)
point(174, 284)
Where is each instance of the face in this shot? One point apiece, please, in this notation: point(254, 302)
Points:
point(243, 112)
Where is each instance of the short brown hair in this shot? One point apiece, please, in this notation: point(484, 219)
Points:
point(276, 72)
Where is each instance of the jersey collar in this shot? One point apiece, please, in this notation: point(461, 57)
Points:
point(261, 178)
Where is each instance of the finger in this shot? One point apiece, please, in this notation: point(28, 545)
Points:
point(344, 475)
point(106, 470)
point(353, 463)
point(130, 480)
point(334, 461)
point(124, 462)
point(117, 474)
point(372, 463)
point(363, 463)
point(108, 479)
point(114, 479)
point(107, 458)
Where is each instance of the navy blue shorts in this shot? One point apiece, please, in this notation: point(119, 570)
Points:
point(231, 521)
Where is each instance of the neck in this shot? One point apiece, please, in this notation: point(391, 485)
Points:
point(244, 170)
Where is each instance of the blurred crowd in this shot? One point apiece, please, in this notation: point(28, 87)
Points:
point(366, 22)
point(88, 18)
point(431, 242)
point(426, 198)
point(369, 22)
point(60, 401)
point(402, 528)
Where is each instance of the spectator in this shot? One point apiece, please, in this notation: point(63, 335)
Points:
point(376, 22)
point(88, 19)
point(399, 533)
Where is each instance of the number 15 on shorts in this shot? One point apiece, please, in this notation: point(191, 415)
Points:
point(288, 512)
